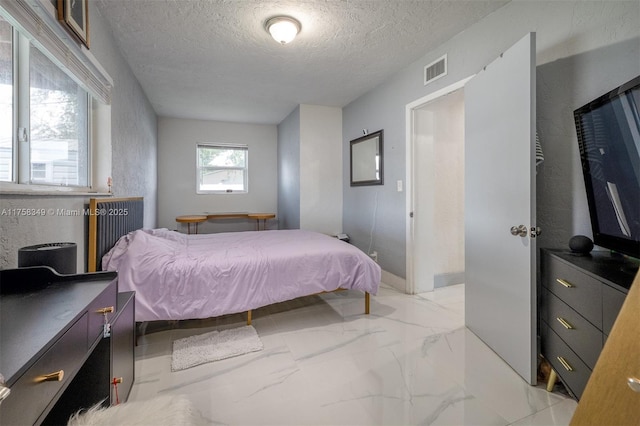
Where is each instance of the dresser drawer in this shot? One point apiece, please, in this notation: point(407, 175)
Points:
point(555, 349)
point(30, 395)
point(582, 336)
point(123, 342)
point(106, 299)
point(612, 301)
point(578, 290)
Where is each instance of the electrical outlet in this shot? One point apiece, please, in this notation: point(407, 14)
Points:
point(399, 185)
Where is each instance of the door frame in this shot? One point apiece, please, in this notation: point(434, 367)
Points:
point(410, 109)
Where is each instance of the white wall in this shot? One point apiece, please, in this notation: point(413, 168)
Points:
point(439, 192)
point(564, 29)
point(321, 169)
point(177, 140)
point(310, 169)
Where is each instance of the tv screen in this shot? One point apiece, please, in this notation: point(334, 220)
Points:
point(608, 131)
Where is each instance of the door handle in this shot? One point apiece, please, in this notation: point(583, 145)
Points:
point(519, 231)
point(634, 384)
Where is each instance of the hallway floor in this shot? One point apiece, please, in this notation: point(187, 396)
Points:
point(411, 361)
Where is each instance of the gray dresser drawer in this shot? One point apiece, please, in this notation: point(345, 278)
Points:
point(30, 395)
point(107, 299)
point(123, 342)
point(582, 336)
point(555, 349)
point(578, 290)
point(612, 301)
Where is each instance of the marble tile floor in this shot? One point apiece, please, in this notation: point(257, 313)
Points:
point(411, 361)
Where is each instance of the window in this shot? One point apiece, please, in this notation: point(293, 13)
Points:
point(222, 168)
point(58, 114)
point(50, 116)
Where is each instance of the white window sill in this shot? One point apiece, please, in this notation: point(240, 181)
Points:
point(45, 190)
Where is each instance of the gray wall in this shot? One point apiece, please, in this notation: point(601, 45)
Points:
point(289, 171)
point(134, 170)
point(177, 140)
point(565, 85)
point(564, 29)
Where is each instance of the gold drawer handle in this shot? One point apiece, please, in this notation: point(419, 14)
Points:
point(564, 323)
point(565, 364)
point(565, 283)
point(56, 376)
point(4, 392)
point(107, 310)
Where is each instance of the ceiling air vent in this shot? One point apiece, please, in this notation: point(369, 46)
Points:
point(435, 69)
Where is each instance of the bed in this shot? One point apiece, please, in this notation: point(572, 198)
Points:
point(178, 276)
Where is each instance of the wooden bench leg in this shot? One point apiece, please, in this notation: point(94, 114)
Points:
point(367, 302)
point(249, 317)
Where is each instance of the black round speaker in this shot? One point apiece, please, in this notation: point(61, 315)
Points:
point(580, 244)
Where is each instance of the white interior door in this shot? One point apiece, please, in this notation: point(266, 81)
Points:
point(500, 279)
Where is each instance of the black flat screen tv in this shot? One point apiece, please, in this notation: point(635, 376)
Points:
point(608, 131)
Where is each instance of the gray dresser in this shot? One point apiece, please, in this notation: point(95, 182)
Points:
point(54, 355)
point(580, 300)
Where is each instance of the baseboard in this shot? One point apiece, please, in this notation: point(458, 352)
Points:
point(394, 281)
point(451, 278)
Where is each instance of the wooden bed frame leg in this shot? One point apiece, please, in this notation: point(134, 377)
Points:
point(249, 317)
point(367, 302)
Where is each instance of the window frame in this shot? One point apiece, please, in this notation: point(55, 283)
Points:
point(96, 84)
point(245, 169)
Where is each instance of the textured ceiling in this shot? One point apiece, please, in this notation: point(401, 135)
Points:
point(213, 59)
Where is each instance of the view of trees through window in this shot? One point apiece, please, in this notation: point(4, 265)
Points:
point(57, 127)
point(58, 124)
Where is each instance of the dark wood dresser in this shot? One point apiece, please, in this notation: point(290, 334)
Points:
point(54, 355)
point(580, 300)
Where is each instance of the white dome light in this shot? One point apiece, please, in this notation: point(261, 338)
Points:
point(283, 29)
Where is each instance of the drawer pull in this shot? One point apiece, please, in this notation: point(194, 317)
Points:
point(565, 364)
point(5, 391)
point(565, 283)
point(564, 323)
point(634, 384)
point(56, 376)
point(107, 310)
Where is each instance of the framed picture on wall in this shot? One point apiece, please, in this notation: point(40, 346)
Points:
point(75, 15)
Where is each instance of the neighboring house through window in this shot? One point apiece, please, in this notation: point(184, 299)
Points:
point(222, 168)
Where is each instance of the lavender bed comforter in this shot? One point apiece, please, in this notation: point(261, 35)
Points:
point(177, 276)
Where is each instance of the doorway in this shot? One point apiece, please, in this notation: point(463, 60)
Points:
point(435, 185)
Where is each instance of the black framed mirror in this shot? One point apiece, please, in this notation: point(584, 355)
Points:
point(367, 156)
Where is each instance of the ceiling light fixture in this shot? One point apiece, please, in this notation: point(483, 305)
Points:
point(283, 29)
